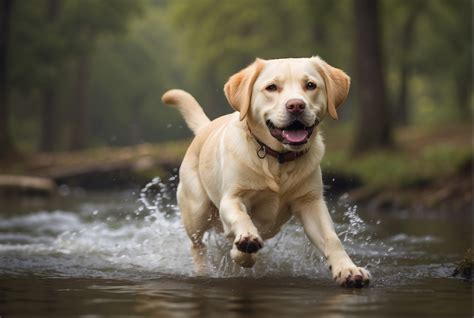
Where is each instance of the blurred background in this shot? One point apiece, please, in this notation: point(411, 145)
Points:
point(89, 156)
point(81, 81)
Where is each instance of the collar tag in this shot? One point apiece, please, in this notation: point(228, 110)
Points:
point(262, 151)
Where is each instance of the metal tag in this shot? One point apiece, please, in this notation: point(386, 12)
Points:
point(261, 152)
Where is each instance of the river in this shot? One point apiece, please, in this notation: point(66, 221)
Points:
point(125, 254)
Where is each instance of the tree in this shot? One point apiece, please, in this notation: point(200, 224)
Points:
point(89, 19)
point(37, 73)
point(400, 23)
point(49, 92)
point(373, 124)
point(451, 22)
point(141, 65)
point(129, 64)
point(6, 145)
point(221, 37)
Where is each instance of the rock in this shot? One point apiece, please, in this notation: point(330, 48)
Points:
point(464, 267)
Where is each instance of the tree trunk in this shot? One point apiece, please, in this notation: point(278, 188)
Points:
point(373, 125)
point(463, 96)
point(401, 109)
point(78, 131)
point(7, 148)
point(48, 138)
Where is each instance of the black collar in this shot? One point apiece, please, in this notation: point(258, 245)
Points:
point(282, 157)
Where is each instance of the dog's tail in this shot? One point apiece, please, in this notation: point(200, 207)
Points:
point(188, 107)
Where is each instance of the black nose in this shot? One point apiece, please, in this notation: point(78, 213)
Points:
point(295, 106)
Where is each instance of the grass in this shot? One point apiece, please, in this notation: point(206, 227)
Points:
point(421, 155)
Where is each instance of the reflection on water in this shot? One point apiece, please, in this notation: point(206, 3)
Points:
point(230, 297)
point(127, 253)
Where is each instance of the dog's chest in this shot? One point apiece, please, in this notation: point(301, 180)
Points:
point(268, 211)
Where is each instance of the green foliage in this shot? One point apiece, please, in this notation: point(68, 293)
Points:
point(31, 48)
point(140, 64)
point(395, 169)
point(141, 48)
point(221, 37)
point(419, 158)
point(44, 48)
point(444, 55)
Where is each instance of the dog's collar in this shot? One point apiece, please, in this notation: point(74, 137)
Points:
point(282, 157)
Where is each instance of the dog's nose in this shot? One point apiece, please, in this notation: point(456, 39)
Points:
point(295, 106)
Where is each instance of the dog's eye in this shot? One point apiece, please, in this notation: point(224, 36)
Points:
point(311, 86)
point(271, 88)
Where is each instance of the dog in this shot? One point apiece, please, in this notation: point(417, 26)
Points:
point(247, 173)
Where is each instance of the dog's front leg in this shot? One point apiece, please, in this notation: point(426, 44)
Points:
point(319, 228)
point(239, 226)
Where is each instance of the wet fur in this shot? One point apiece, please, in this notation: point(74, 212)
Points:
point(224, 184)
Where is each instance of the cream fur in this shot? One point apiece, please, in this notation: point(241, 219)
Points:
point(224, 184)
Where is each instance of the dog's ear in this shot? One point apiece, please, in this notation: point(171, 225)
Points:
point(337, 85)
point(238, 88)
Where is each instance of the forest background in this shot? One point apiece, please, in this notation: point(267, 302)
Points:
point(89, 74)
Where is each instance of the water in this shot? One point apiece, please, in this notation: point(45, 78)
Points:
point(126, 254)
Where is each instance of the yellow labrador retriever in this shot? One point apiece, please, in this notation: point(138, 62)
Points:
point(248, 172)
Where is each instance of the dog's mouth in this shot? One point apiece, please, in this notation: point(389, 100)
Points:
point(294, 134)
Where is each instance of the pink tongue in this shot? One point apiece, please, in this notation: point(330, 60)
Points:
point(295, 135)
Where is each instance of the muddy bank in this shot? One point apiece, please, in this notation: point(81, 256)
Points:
point(95, 169)
point(452, 194)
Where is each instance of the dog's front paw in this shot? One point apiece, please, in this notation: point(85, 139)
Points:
point(248, 243)
point(352, 276)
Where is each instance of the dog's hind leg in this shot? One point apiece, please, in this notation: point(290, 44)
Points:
point(195, 209)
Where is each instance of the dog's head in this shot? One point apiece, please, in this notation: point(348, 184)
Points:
point(285, 99)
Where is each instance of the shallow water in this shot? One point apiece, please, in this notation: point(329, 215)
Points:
point(126, 254)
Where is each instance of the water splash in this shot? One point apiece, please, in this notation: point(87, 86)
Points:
point(147, 239)
point(159, 197)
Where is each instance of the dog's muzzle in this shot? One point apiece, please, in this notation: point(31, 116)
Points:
point(294, 134)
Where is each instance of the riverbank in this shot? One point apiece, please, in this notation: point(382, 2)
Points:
point(106, 168)
point(428, 169)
